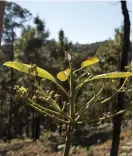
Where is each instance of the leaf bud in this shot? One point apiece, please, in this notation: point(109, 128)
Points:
point(51, 93)
point(34, 67)
point(47, 98)
point(34, 98)
point(29, 70)
point(68, 56)
point(16, 87)
point(37, 92)
point(47, 92)
point(41, 98)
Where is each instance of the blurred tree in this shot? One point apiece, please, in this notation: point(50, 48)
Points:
point(14, 17)
point(28, 51)
point(2, 8)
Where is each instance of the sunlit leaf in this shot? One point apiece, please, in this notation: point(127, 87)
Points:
point(113, 75)
point(89, 62)
point(24, 68)
point(63, 75)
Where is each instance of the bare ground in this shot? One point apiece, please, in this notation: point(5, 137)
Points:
point(97, 144)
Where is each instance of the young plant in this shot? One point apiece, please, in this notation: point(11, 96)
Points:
point(73, 116)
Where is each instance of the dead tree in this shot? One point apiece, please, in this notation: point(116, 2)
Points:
point(120, 99)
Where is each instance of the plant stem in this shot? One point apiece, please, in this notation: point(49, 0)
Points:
point(68, 140)
point(72, 115)
point(72, 102)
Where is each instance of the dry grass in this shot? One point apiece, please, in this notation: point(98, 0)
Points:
point(43, 147)
point(104, 149)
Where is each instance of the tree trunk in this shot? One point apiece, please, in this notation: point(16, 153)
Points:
point(124, 61)
point(2, 8)
point(60, 105)
point(12, 86)
point(33, 124)
point(37, 125)
point(27, 122)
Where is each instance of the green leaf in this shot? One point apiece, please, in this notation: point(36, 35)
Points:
point(113, 75)
point(24, 68)
point(63, 75)
point(89, 62)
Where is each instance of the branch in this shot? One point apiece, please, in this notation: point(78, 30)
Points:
point(59, 113)
point(81, 84)
point(114, 3)
point(48, 114)
point(48, 99)
point(42, 108)
point(77, 70)
point(106, 100)
point(112, 115)
point(61, 88)
point(109, 98)
point(89, 102)
point(109, 116)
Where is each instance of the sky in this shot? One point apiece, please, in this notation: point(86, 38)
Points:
point(82, 21)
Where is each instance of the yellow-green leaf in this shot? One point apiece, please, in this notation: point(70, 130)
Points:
point(63, 75)
point(89, 62)
point(113, 75)
point(24, 68)
point(43, 73)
